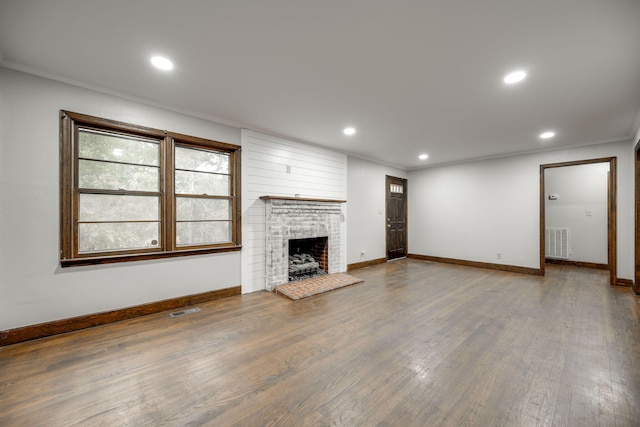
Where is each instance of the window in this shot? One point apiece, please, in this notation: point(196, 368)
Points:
point(128, 192)
point(396, 188)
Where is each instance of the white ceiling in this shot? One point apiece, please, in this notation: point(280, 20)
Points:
point(412, 76)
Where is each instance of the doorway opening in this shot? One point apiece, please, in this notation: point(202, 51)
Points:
point(611, 197)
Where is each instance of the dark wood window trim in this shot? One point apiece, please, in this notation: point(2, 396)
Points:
point(70, 122)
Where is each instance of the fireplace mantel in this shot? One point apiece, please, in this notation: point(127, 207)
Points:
point(302, 199)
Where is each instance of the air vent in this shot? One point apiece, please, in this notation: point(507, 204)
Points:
point(184, 312)
point(557, 243)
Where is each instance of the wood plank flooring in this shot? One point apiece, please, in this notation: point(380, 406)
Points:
point(417, 344)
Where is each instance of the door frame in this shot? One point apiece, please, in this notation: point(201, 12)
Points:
point(636, 283)
point(387, 193)
point(612, 198)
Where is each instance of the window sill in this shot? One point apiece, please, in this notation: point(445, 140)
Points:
point(145, 256)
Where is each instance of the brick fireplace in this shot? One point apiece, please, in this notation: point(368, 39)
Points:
point(293, 218)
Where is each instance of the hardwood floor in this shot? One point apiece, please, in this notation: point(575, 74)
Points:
point(417, 344)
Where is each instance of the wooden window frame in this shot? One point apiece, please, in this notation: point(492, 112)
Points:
point(70, 123)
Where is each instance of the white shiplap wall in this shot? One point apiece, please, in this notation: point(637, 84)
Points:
point(276, 167)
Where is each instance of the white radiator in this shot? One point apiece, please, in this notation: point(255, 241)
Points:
point(556, 243)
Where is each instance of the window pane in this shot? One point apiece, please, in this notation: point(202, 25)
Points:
point(198, 209)
point(103, 207)
point(202, 183)
point(201, 160)
point(396, 188)
point(201, 233)
point(115, 176)
point(117, 148)
point(119, 236)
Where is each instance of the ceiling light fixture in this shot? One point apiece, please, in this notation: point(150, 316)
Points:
point(349, 131)
point(162, 63)
point(514, 77)
point(547, 135)
point(423, 156)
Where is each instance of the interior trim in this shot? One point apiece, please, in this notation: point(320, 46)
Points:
point(478, 264)
point(636, 284)
point(42, 330)
point(625, 282)
point(577, 263)
point(612, 227)
point(363, 264)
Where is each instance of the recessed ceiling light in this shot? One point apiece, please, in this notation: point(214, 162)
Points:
point(514, 77)
point(547, 135)
point(423, 156)
point(162, 63)
point(349, 131)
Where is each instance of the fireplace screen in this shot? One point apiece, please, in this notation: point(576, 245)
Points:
point(308, 258)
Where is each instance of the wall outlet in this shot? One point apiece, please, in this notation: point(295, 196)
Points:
point(499, 255)
point(362, 252)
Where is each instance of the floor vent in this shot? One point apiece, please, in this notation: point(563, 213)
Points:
point(183, 312)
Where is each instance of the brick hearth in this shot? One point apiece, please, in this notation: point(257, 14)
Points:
point(315, 286)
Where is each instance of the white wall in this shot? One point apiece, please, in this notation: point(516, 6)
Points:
point(33, 288)
point(366, 203)
point(466, 211)
point(581, 189)
point(471, 211)
point(277, 167)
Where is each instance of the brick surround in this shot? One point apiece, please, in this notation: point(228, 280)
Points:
point(289, 218)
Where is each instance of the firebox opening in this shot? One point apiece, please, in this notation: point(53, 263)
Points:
point(308, 258)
